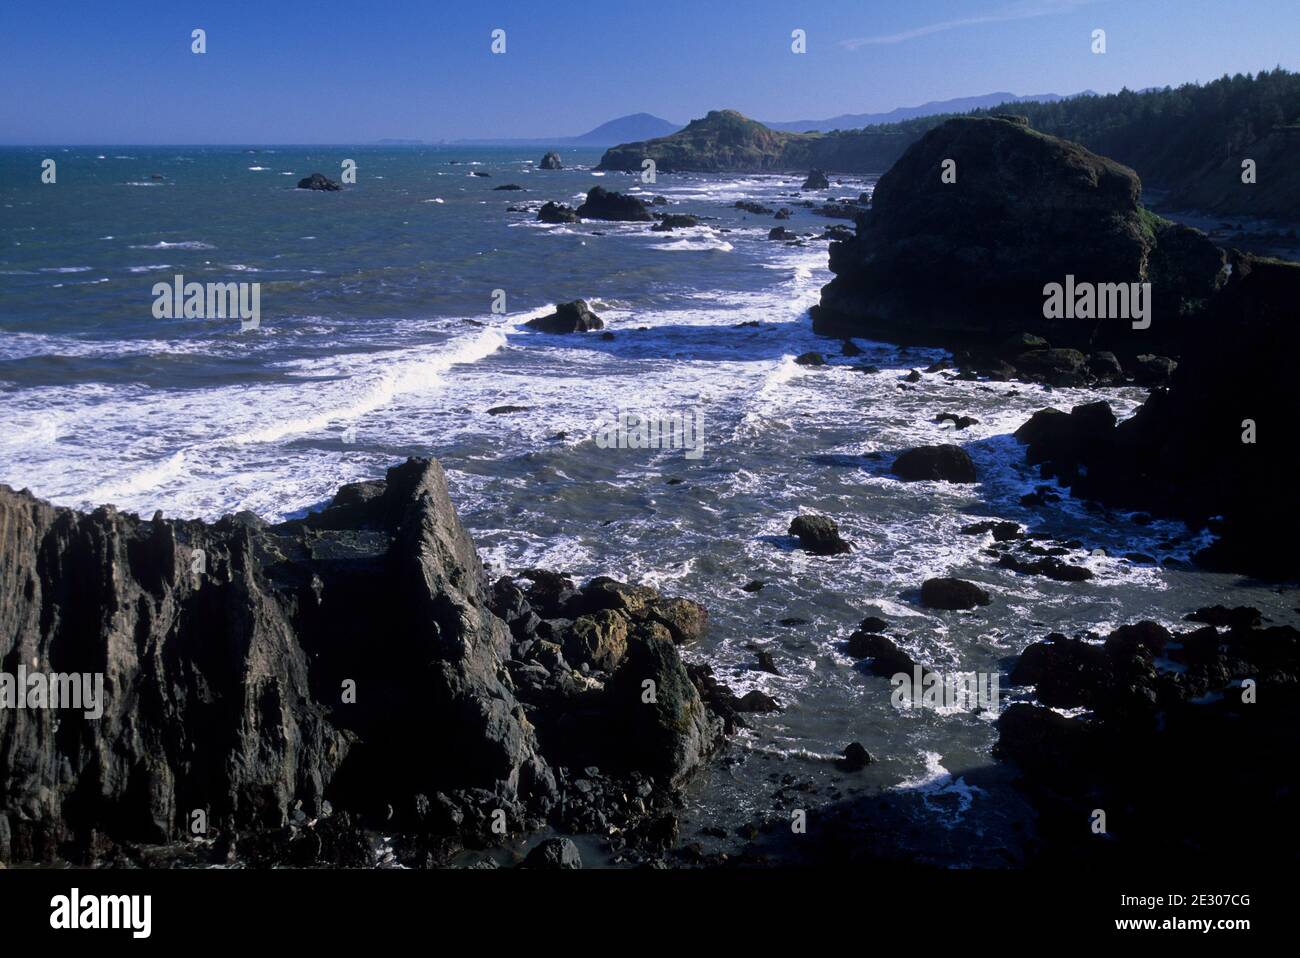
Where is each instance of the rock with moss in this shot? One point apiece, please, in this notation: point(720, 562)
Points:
point(1022, 210)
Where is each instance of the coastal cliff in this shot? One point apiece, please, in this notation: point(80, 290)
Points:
point(294, 682)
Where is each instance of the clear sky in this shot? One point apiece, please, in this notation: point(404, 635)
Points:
point(328, 71)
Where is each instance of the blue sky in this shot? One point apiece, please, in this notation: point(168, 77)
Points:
point(325, 71)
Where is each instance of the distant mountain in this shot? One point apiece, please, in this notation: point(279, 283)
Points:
point(856, 121)
point(635, 126)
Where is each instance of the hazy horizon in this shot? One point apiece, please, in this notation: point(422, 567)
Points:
point(330, 73)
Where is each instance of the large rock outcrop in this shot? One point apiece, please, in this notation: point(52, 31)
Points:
point(725, 140)
point(1217, 447)
point(1019, 210)
point(573, 317)
point(603, 204)
point(348, 661)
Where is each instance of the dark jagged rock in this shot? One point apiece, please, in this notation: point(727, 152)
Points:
point(1182, 454)
point(1146, 737)
point(1056, 367)
point(1003, 531)
point(574, 317)
point(947, 463)
point(503, 410)
point(810, 359)
point(1104, 368)
point(816, 181)
point(554, 854)
point(837, 232)
point(243, 689)
point(1242, 617)
point(1154, 371)
point(552, 212)
point(758, 209)
point(226, 689)
point(512, 187)
point(818, 535)
point(1049, 566)
point(551, 161)
point(855, 758)
point(602, 204)
point(318, 181)
point(1026, 210)
point(948, 593)
point(781, 233)
point(584, 678)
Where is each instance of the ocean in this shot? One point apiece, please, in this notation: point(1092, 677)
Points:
point(378, 340)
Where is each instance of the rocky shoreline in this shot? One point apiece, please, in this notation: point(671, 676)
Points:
point(353, 689)
point(304, 684)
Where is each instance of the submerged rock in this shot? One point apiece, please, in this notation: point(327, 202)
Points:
point(669, 222)
point(552, 212)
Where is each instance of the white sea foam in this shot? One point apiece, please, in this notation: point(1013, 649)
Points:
point(184, 244)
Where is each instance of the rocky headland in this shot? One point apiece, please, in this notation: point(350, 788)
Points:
point(727, 141)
